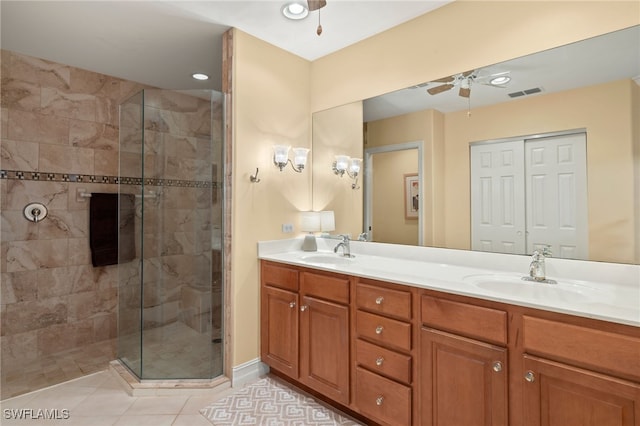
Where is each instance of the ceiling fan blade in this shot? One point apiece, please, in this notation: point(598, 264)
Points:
point(316, 4)
point(440, 89)
point(464, 92)
point(444, 79)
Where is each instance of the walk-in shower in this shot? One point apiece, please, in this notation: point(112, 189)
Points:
point(170, 295)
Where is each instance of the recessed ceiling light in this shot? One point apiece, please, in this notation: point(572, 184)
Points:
point(497, 81)
point(200, 76)
point(295, 10)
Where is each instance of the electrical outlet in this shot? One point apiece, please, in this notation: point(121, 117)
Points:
point(287, 228)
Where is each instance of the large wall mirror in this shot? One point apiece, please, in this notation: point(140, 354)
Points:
point(590, 89)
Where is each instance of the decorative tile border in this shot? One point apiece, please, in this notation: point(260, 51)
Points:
point(113, 180)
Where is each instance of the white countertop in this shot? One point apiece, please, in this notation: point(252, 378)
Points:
point(598, 290)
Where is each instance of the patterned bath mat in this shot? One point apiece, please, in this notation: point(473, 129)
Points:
point(270, 403)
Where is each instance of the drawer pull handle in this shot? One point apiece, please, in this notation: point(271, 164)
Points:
point(497, 366)
point(292, 304)
point(379, 400)
point(530, 377)
point(379, 329)
point(303, 308)
point(379, 300)
point(379, 361)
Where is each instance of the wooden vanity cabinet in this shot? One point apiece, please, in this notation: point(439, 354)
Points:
point(305, 328)
point(579, 375)
point(463, 364)
point(279, 318)
point(324, 335)
point(399, 355)
point(384, 352)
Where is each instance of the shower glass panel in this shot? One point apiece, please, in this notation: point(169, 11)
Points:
point(170, 295)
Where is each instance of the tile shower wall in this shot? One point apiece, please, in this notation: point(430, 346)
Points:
point(59, 122)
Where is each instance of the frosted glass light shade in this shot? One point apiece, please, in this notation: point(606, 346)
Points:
point(355, 165)
point(300, 157)
point(281, 155)
point(327, 221)
point(310, 221)
point(342, 162)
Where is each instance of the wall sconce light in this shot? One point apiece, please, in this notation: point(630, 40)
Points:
point(351, 166)
point(281, 157)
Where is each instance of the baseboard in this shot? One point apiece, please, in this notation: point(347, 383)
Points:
point(247, 372)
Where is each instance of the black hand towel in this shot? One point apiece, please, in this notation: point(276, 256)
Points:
point(104, 224)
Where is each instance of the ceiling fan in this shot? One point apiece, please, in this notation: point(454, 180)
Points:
point(466, 79)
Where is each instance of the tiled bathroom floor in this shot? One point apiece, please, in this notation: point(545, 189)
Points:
point(99, 399)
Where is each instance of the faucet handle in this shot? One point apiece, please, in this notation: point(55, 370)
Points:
point(546, 251)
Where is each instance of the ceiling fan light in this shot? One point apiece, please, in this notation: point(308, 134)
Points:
point(295, 10)
point(500, 80)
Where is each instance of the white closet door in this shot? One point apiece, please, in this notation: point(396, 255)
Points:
point(497, 198)
point(556, 179)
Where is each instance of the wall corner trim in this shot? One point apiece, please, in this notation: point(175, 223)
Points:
point(248, 371)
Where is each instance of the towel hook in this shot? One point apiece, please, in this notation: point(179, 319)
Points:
point(35, 212)
point(254, 178)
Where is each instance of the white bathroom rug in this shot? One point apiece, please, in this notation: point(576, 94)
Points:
point(270, 403)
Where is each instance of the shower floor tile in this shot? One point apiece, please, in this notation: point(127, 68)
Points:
point(57, 368)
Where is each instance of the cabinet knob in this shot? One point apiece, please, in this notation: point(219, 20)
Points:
point(530, 377)
point(497, 366)
point(303, 308)
point(379, 361)
point(379, 329)
point(379, 300)
point(379, 400)
point(292, 304)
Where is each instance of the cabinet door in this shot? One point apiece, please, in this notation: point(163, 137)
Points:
point(279, 332)
point(557, 394)
point(462, 381)
point(324, 347)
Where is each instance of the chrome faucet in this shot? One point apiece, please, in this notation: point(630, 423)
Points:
point(346, 250)
point(537, 268)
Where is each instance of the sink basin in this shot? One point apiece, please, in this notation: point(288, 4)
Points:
point(516, 286)
point(328, 259)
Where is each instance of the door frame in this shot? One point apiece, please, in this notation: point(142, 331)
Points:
point(368, 183)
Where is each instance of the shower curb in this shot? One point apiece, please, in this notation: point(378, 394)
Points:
point(190, 387)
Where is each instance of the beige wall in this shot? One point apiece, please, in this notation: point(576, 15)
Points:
point(459, 36)
point(635, 112)
point(440, 43)
point(338, 131)
point(428, 127)
point(389, 222)
point(271, 106)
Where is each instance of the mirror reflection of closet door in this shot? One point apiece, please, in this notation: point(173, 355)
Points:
point(530, 193)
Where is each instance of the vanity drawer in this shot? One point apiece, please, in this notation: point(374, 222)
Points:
point(384, 331)
point(385, 301)
point(384, 361)
point(333, 288)
point(381, 399)
point(279, 276)
point(600, 350)
point(473, 321)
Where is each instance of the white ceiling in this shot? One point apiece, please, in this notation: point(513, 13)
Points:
point(161, 43)
point(601, 59)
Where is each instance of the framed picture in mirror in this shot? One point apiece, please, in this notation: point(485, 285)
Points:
point(411, 194)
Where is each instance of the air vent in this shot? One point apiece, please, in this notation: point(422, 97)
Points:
point(419, 86)
point(525, 92)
